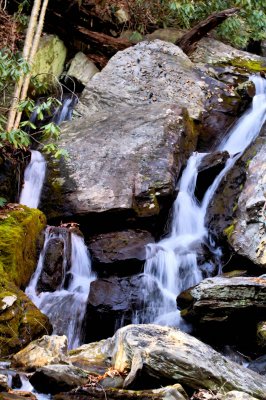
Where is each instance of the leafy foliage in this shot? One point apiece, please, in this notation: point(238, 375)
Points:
point(12, 67)
point(249, 24)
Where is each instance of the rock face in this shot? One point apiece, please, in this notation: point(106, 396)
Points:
point(248, 236)
point(169, 353)
point(128, 165)
point(44, 351)
point(115, 302)
point(119, 253)
point(220, 307)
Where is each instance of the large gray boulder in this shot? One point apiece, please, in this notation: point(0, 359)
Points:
point(124, 161)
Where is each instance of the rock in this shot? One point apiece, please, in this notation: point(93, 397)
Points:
point(236, 395)
point(258, 365)
point(167, 34)
point(93, 357)
point(82, 68)
point(248, 237)
point(56, 262)
point(20, 321)
point(220, 307)
point(115, 302)
point(20, 234)
point(217, 158)
point(58, 378)
point(148, 72)
point(43, 351)
point(4, 383)
point(261, 334)
point(215, 53)
point(166, 353)
point(119, 252)
point(128, 165)
point(174, 392)
point(17, 395)
point(49, 59)
point(246, 90)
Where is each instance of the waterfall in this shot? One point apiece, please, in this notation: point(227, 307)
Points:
point(33, 180)
point(66, 306)
point(172, 262)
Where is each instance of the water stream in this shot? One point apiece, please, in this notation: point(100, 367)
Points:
point(172, 262)
point(65, 306)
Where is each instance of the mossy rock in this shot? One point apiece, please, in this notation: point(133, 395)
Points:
point(20, 230)
point(20, 321)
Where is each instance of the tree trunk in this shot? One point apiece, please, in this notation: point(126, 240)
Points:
point(189, 40)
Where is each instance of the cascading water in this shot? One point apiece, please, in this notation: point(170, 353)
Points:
point(33, 180)
point(66, 306)
point(172, 262)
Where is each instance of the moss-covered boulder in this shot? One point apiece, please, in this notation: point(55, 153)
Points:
point(49, 59)
point(20, 320)
point(20, 235)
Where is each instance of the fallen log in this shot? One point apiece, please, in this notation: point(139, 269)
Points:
point(189, 40)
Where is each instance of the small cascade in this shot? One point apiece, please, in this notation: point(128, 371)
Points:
point(172, 262)
point(65, 111)
point(33, 180)
point(65, 305)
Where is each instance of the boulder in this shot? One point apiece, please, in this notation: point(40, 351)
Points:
point(120, 252)
point(220, 307)
point(248, 236)
point(174, 392)
point(115, 302)
point(237, 62)
point(20, 321)
point(149, 72)
point(82, 68)
point(43, 351)
point(128, 164)
point(58, 378)
point(166, 353)
point(49, 59)
point(4, 383)
point(261, 334)
point(20, 237)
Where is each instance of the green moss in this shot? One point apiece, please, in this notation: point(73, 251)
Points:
point(245, 63)
point(229, 231)
point(19, 233)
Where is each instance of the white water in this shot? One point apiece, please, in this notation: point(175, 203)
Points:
point(33, 180)
point(172, 262)
point(66, 306)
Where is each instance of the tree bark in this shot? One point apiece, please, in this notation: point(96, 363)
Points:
point(189, 40)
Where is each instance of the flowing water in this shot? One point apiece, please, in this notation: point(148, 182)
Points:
point(172, 262)
point(33, 180)
point(66, 306)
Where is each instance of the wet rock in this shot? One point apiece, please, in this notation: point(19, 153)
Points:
point(220, 307)
point(3, 383)
point(82, 68)
point(115, 302)
point(56, 261)
point(174, 392)
point(248, 236)
point(217, 158)
point(41, 352)
point(17, 395)
point(119, 253)
point(58, 378)
point(168, 353)
point(258, 365)
point(246, 90)
point(127, 167)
